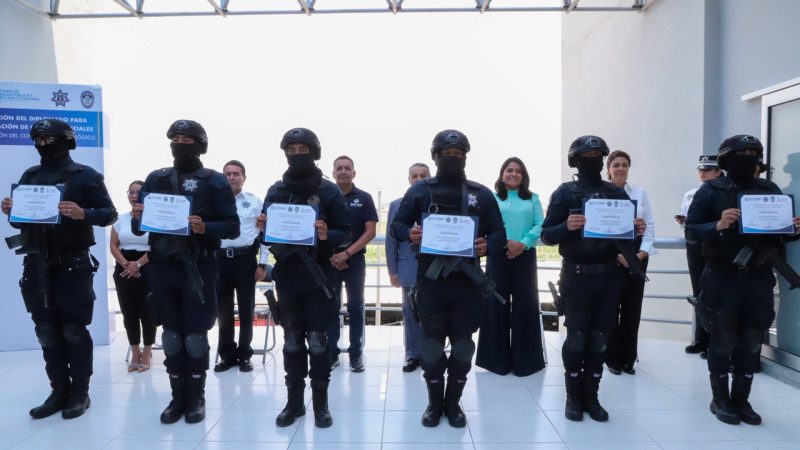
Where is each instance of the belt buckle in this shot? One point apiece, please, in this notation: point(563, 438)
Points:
point(577, 269)
point(229, 252)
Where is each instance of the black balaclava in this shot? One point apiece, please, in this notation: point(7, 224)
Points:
point(589, 168)
point(186, 157)
point(303, 176)
point(53, 154)
point(301, 165)
point(451, 168)
point(742, 168)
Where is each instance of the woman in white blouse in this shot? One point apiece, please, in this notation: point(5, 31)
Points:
point(623, 339)
point(130, 253)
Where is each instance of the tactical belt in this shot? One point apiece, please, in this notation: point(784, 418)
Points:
point(234, 252)
point(589, 269)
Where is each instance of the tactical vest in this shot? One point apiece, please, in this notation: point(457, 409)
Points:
point(444, 199)
point(68, 235)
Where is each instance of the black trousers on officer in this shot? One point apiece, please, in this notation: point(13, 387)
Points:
point(743, 308)
point(590, 310)
point(236, 275)
point(510, 338)
point(182, 312)
point(305, 314)
point(448, 308)
point(61, 326)
point(623, 339)
point(132, 293)
point(696, 263)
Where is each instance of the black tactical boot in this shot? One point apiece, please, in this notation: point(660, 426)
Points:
point(55, 402)
point(574, 384)
point(740, 391)
point(319, 398)
point(435, 409)
point(721, 405)
point(295, 405)
point(174, 411)
point(78, 399)
point(195, 397)
point(591, 385)
point(455, 415)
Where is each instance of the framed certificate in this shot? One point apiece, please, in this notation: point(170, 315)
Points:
point(36, 203)
point(609, 219)
point(290, 224)
point(166, 213)
point(449, 235)
point(766, 214)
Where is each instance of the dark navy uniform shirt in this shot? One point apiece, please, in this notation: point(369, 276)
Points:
point(361, 209)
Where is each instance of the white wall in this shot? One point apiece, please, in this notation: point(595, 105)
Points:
point(27, 51)
point(637, 81)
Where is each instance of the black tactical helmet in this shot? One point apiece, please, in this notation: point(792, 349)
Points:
point(56, 128)
point(585, 144)
point(449, 139)
point(302, 136)
point(736, 144)
point(189, 128)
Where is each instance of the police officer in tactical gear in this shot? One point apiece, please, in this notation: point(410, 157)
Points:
point(449, 305)
point(183, 269)
point(304, 277)
point(737, 281)
point(58, 269)
point(590, 282)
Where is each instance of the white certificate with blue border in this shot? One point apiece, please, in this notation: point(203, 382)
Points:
point(35, 203)
point(290, 224)
point(449, 235)
point(766, 214)
point(609, 219)
point(166, 213)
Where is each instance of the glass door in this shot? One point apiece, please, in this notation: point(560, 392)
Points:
point(781, 118)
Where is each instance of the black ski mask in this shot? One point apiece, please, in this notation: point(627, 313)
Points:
point(589, 165)
point(186, 157)
point(451, 167)
point(301, 164)
point(742, 167)
point(53, 152)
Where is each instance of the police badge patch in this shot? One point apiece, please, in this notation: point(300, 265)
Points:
point(189, 185)
point(87, 99)
point(472, 200)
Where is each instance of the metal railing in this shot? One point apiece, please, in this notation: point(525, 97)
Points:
point(676, 243)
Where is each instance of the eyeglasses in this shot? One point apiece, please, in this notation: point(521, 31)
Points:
point(130, 192)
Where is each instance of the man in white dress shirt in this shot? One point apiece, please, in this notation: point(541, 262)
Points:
point(239, 269)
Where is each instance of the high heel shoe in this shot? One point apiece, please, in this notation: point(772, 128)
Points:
point(136, 359)
point(147, 357)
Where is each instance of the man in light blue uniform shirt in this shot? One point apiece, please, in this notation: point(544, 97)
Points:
point(402, 264)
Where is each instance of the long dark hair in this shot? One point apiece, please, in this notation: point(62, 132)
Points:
point(524, 187)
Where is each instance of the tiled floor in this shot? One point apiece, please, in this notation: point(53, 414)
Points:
point(664, 406)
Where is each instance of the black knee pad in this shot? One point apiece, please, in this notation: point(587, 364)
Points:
point(576, 341)
point(462, 349)
point(317, 342)
point(597, 342)
point(171, 342)
point(431, 350)
point(751, 341)
point(722, 342)
point(196, 344)
point(293, 342)
point(75, 335)
point(48, 336)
